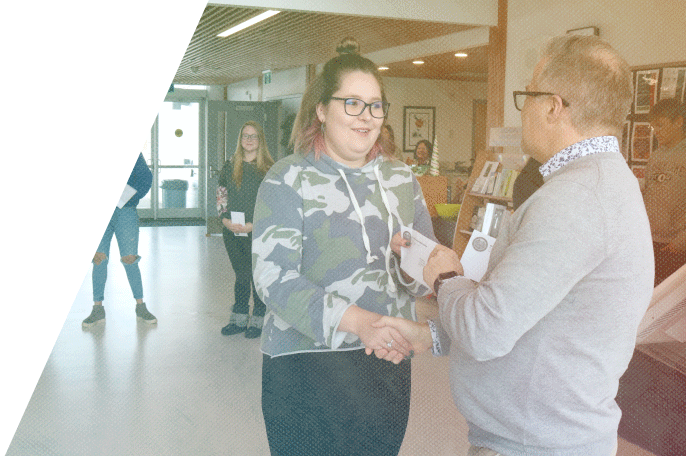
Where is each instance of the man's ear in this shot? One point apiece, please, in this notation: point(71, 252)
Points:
point(321, 113)
point(555, 109)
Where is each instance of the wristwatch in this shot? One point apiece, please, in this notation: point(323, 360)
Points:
point(442, 277)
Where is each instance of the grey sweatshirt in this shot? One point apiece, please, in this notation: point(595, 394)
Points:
point(539, 345)
point(321, 243)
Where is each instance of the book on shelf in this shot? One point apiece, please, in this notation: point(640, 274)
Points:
point(510, 185)
point(489, 219)
point(493, 182)
point(486, 178)
point(499, 179)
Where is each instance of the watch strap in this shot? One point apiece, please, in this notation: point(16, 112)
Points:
point(443, 276)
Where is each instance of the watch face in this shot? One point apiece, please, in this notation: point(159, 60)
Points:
point(480, 244)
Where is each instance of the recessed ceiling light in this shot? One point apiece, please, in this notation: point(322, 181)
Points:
point(383, 68)
point(418, 62)
point(248, 23)
point(461, 54)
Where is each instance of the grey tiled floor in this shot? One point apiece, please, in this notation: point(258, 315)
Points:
point(180, 387)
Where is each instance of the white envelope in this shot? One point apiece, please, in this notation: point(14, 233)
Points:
point(414, 258)
point(239, 218)
point(475, 257)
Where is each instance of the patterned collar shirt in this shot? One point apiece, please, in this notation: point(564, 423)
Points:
point(577, 150)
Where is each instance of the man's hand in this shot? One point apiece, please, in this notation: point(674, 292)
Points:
point(442, 259)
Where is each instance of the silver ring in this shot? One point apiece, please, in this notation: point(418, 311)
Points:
point(390, 344)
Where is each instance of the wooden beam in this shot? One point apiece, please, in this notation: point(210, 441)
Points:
point(495, 108)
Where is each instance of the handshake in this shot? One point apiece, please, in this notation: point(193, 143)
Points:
point(395, 339)
point(398, 339)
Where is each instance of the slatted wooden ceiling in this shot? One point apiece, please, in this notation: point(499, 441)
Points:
point(294, 39)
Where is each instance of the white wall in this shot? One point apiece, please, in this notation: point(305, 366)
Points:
point(453, 102)
point(215, 92)
point(247, 90)
point(643, 31)
point(285, 83)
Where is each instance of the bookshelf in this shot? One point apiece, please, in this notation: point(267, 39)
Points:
point(472, 200)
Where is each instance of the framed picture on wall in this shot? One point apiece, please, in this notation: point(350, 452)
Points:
point(673, 83)
point(419, 122)
point(641, 142)
point(626, 134)
point(645, 88)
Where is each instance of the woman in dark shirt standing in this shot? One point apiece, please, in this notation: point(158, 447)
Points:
point(238, 183)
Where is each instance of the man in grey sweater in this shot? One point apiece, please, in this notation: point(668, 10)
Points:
point(538, 346)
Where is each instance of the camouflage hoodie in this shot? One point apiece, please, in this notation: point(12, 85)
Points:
point(312, 258)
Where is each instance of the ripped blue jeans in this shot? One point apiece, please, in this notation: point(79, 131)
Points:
point(124, 225)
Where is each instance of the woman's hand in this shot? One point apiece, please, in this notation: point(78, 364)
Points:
point(398, 241)
point(237, 227)
point(247, 228)
point(375, 339)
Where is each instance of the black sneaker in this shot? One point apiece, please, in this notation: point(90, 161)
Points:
point(143, 314)
point(254, 328)
point(237, 324)
point(96, 317)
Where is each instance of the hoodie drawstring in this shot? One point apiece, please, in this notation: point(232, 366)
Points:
point(365, 237)
point(384, 198)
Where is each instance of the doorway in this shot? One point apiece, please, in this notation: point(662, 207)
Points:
point(174, 156)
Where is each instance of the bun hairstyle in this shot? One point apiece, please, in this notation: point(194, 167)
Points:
point(348, 46)
point(307, 135)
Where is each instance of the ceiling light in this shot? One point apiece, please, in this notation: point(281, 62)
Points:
point(461, 54)
point(248, 23)
point(383, 68)
point(418, 62)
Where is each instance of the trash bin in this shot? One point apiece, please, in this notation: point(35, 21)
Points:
point(174, 192)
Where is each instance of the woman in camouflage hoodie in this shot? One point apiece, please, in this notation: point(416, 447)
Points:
point(325, 244)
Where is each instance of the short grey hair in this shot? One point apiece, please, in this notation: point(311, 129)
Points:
point(592, 76)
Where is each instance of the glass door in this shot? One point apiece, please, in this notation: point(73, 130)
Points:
point(174, 157)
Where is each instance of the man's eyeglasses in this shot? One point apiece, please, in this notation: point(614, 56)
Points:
point(355, 107)
point(520, 97)
point(249, 137)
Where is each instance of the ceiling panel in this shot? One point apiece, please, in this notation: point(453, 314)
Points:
point(294, 39)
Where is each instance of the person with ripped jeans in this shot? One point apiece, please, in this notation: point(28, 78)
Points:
point(124, 225)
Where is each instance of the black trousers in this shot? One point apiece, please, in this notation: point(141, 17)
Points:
point(335, 403)
point(239, 249)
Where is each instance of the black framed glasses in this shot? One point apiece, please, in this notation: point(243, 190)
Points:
point(249, 137)
point(355, 107)
point(520, 96)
